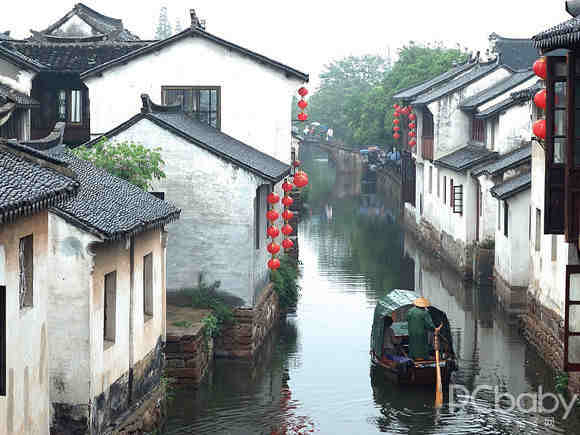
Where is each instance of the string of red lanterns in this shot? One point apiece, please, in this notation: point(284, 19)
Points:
point(302, 104)
point(541, 70)
point(272, 231)
point(287, 215)
point(408, 112)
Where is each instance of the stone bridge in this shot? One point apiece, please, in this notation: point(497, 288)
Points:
point(346, 160)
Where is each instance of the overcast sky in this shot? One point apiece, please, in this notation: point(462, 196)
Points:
point(308, 34)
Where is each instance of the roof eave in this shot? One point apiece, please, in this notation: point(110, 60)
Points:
point(512, 193)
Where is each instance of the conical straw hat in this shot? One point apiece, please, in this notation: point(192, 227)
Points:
point(421, 302)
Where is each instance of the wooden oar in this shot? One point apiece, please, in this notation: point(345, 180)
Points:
point(439, 387)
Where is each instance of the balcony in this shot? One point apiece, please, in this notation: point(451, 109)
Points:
point(427, 148)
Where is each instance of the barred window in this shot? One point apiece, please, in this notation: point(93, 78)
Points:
point(26, 271)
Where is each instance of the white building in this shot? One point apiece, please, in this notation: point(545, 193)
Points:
point(221, 184)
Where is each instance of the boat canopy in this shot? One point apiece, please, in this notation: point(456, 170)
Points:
point(396, 304)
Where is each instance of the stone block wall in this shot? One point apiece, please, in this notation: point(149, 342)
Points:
point(188, 356)
point(250, 328)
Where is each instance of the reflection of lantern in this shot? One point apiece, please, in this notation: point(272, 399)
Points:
point(540, 99)
point(412, 134)
point(272, 215)
point(302, 104)
point(273, 248)
point(302, 91)
point(412, 125)
point(287, 215)
point(300, 179)
point(302, 116)
point(273, 198)
point(539, 128)
point(395, 128)
point(287, 229)
point(296, 163)
point(396, 121)
point(287, 187)
point(412, 143)
point(274, 263)
point(412, 116)
point(396, 114)
point(273, 232)
point(540, 68)
point(287, 243)
point(287, 201)
point(396, 135)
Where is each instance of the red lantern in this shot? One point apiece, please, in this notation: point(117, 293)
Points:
point(540, 99)
point(273, 232)
point(395, 128)
point(287, 229)
point(273, 198)
point(273, 248)
point(296, 163)
point(302, 104)
point(287, 201)
point(396, 121)
point(396, 135)
point(287, 243)
point(405, 111)
point(274, 263)
point(540, 68)
point(302, 91)
point(287, 215)
point(539, 128)
point(302, 116)
point(396, 114)
point(287, 187)
point(272, 215)
point(300, 179)
point(412, 125)
point(412, 134)
point(412, 143)
point(395, 106)
point(412, 116)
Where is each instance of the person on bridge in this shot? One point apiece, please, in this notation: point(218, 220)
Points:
point(420, 325)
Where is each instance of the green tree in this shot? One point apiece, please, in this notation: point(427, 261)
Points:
point(132, 162)
point(163, 26)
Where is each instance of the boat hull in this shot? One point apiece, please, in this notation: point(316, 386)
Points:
point(420, 373)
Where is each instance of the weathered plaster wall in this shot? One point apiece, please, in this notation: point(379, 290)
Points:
point(15, 77)
point(515, 128)
point(25, 408)
point(198, 62)
point(216, 232)
point(488, 218)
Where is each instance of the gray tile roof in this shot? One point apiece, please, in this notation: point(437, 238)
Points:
point(109, 206)
point(415, 90)
point(516, 53)
point(512, 187)
point(200, 134)
point(471, 76)
point(563, 35)
point(21, 100)
point(505, 162)
point(518, 97)
point(20, 59)
point(496, 90)
point(31, 181)
point(466, 158)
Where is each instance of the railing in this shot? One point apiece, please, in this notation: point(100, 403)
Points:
point(427, 148)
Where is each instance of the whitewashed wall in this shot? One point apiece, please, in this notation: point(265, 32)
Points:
point(511, 259)
point(15, 77)
point(255, 99)
point(25, 409)
point(488, 218)
point(547, 278)
point(215, 233)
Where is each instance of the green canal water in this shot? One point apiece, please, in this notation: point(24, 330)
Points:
point(313, 374)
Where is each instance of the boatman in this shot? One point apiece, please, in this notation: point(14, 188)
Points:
point(420, 324)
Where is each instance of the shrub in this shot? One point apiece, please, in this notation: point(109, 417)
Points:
point(285, 281)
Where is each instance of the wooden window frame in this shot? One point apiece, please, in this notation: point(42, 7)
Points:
point(457, 195)
point(198, 88)
point(444, 189)
point(148, 309)
point(109, 308)
point(68, 106)
point(451, 199)
point(2, 340)
point(506, 216)
point(26, 264)
point(438, 185)
point(569, 367)
point(498, 215)
point(478, 133)
point(538, 241)
point(430, 179)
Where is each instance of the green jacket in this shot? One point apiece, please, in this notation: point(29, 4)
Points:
point(420, 323)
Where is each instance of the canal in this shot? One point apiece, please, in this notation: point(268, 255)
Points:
point(313, 374)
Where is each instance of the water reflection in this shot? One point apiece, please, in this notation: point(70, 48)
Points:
point(315, 373)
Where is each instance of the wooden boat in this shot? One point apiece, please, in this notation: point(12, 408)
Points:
point(405, 370)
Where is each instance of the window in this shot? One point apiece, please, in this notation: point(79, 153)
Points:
point(444, 190)
point(506, 213)
point(70, 105)
point(148, 285)
point(26, 272)
point(438, 187)
point(498, 215)
point(110, 307)
point(421, 204)
point(457, 197)
point(451, 199)
point(260, 209)
point(491, 138)
point(2, 341)
point(538, 229)
point(480, 201)
point(201, 102)
point(478, 130)
point(430, 179)
point(554, 247)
